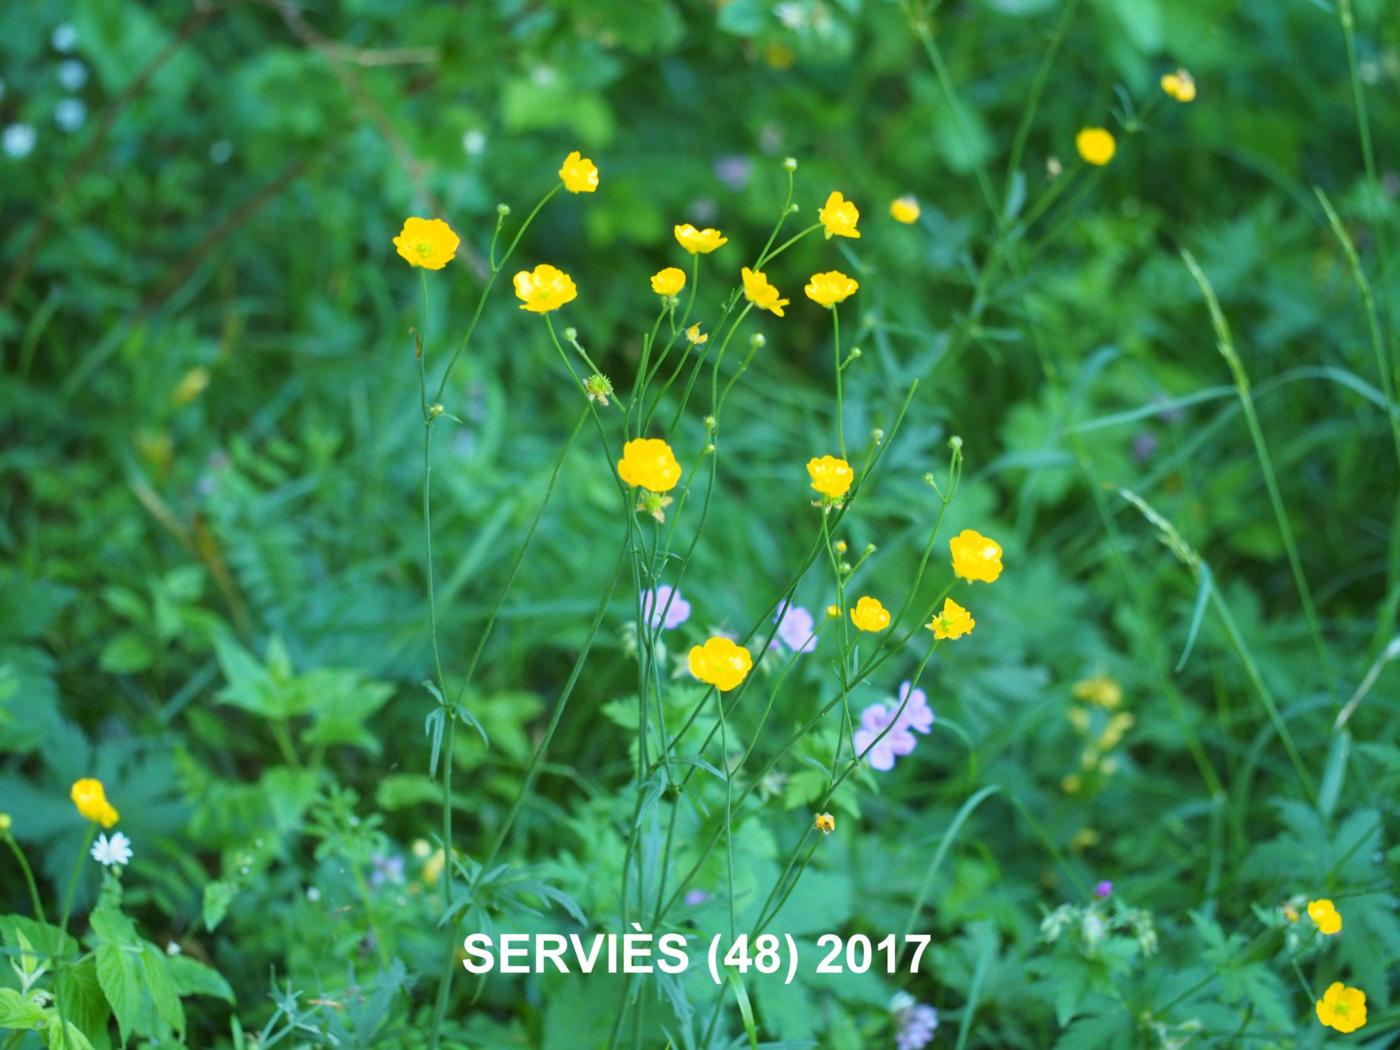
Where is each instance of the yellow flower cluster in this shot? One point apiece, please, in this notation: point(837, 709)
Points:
point(763, 295)
point(90, 798)
point(668, 281)
point(976, 558)
point(831, 476)
point(952, 623)
point(1101, 736)
point(1096, 146)
point(905, 209)
point(544, 288)
point(427, 243)
point(1342, 1008)
point(870, 615)
point(828, 289)
point(825, 823)
point(579, 174)
point(649, 463)
point(720, 662)
point(1325, 914)
point(1180, 85)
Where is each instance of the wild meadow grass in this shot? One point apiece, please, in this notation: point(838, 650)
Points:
point(989, 570)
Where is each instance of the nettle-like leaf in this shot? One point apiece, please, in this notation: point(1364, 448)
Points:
point(338, 701)
point(134, 976)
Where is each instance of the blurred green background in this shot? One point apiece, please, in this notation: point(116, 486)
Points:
point(210, 446)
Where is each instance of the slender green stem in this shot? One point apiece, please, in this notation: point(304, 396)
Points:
point(73, 878)
point(28, 875)
point(1226, 345)
point(840, 395)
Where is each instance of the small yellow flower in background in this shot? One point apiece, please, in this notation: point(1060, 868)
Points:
point(830, 288)
point(191, 385)
point(694, 335)
point(763, 295)
point(1328, 919)
point(905, 209)
point(1290, 913)
point(91, 800)
point(870, 615)
point(834, 611)
point(1079, 718)
point(432, 868)
point(1113, 732)
point(1101, 690)
point(544, 288)
point(778, 56)
point(1342, 1008)
point(839, 216)
point(953, 622)
point(825, 823)
point(1096, 146)
point(5, 823)
point(429, 243)
point(721, 663)
point(831, 476)
point(1180, 86)
point(668, 281)
point(702, 241)
point(579, 174)
point(649, 463)
point(976, 558)
point(1084, 839)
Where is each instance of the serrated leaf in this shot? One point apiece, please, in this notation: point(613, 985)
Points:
point(20, 1013)
point(192, 977)
point(218, 895)
point(119, 974)
point(162, 989)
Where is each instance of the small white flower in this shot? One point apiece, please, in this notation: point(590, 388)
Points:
point(72, 74)
point(172, 949)
point(313, 894)
point(18, 140)
point(69, 114)
point(65, 37)
point(113, 851)
point(474, 141)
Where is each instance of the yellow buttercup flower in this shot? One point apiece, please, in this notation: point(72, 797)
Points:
point(952, 623)
point(1180, 86)
point(905, 209)
point(833, 611)
point(1342, 1008)
point(976, 558)
point(579, 174)
point(830, 476)
point(668, 281)
point(91, 800)
point(544, 288)
point(429, 243)
point(650, 463)
point(1325, 914)
point(720, 663)
point(828, 289)
point(1101, 690)
point(702, 241)
point(694, 335)
point(825, 823)
point(1096, 146)
point(870, 615)
point(762, 294)
point(839, 216)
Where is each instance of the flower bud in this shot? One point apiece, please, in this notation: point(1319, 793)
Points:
point(855, 353)
point(955, 443)
point(756, 340)
point(878, 435)
point(570, 334)
point(436, 409)
point(503, 210)
point(790, 163)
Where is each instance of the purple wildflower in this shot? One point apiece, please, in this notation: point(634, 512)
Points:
point(1103, 889)
point(694, 898)
point(917, 715)
point(796, 629)
point(664, 607)
point(734, 171)
point(386, 870)
point(917, 1022)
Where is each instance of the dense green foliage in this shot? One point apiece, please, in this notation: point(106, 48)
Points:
point(213, 593)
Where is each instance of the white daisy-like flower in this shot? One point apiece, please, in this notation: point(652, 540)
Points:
point(113, 851)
